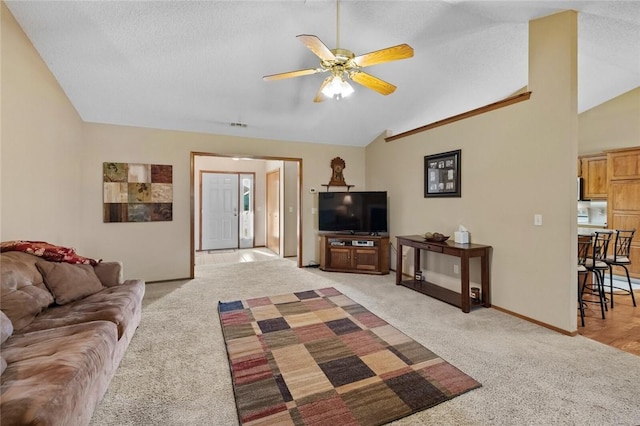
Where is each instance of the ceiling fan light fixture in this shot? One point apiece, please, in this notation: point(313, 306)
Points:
point(337, 88)
point(344, 65)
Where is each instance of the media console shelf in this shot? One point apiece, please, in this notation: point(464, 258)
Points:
point(354, 253)
point(464, 251)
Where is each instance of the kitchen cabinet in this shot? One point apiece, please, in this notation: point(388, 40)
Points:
point(623, 171)
point(624, 164)
point(593, 169)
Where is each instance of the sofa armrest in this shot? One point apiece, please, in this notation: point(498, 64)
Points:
point(109, 273)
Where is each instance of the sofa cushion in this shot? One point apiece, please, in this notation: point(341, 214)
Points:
point(109, 273)
point(25, 265)
point(114, 304)
point(22, 293)
point(68, 282)
point(19, 306)
point(6, 328)
point(51, 374)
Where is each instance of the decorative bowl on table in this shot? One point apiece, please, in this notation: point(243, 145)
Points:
point(435, 237)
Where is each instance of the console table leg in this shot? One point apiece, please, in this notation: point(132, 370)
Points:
point(464, 278)
point(416, 260)
point(486, 292)
point(399, 264)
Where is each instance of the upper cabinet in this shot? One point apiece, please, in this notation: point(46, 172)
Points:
point(624, 164)
point(593, 169)
point(623, 169)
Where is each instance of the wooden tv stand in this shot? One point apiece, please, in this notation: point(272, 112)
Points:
point(354, 253)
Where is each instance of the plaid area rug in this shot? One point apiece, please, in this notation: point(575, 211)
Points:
point(319, 358)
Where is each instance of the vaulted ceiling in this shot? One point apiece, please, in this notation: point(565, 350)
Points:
point(198, 66)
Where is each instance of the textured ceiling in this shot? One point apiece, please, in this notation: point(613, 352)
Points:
point(198, 66)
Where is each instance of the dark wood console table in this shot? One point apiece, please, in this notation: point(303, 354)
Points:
point(464, 252)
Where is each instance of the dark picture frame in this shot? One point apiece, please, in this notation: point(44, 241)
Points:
point(442, 174)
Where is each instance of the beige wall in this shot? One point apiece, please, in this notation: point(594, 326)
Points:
point(272, 167)
point(611, 125)
point(160, 250)
point(42, 148)
point(290, 209)
point(516, 162)
point(52, 171)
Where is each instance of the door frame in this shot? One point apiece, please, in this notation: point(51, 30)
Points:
point(195, 154)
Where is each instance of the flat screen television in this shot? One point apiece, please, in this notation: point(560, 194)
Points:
point(353, 212)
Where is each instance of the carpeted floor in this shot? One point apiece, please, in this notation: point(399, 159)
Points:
point(175, 371)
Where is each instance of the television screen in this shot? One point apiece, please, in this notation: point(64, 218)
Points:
point(353, 212)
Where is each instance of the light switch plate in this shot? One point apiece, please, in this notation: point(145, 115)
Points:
point(537, 219)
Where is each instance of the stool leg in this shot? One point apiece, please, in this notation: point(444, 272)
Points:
point(633, 298)
point(599, 279)
point(580, 303)
point(611, 284)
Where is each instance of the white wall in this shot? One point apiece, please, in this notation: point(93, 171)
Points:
point(516, 161)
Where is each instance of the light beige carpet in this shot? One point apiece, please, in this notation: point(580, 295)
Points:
point(175, 371)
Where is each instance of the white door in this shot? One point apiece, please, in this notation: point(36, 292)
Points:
point(219, 211)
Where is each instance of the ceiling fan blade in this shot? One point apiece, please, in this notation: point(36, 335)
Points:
point(316, 45)
point(321, 97)
point(290, 74)
point(373, 83)
point(401, 51)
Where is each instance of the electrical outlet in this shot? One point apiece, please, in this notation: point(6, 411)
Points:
point(456, 269)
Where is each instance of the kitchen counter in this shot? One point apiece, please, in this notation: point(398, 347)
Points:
point(589, 231)
point(592, 225)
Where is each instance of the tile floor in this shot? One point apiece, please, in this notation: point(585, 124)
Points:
point(210, 257)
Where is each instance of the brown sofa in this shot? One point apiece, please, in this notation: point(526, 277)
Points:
point(65, 327)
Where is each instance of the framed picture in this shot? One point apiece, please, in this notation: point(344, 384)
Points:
point(442, 174)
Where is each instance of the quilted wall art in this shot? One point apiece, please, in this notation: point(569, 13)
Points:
point(135, 192)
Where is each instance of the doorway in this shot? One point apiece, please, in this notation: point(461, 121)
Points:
point(253, 208)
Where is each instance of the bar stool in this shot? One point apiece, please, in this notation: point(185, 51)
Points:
point(620, 257)
point(595, 263)
point(584, 244)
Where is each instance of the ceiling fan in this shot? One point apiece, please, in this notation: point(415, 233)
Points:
point(344, 65)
